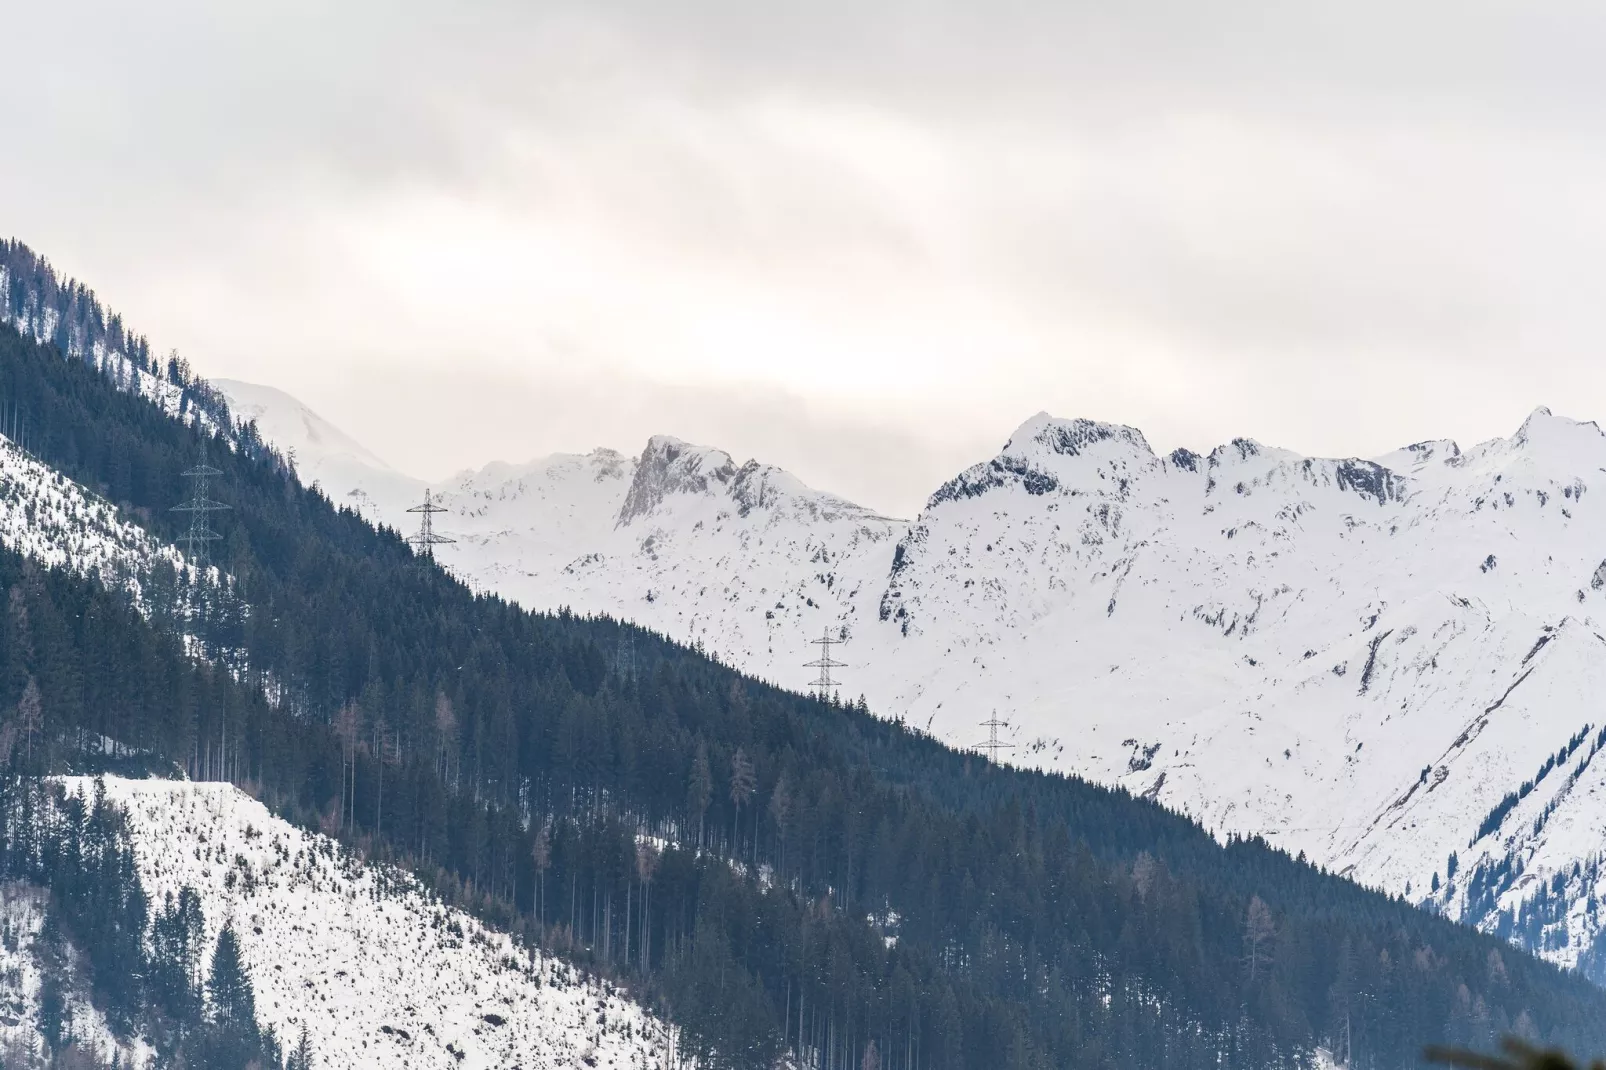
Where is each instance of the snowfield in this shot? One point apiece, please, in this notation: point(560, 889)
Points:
point(1357, 659)
point(378, 971)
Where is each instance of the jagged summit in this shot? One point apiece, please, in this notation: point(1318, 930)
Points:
point(670, 467)
point(1545, 429)
point(1070, 437)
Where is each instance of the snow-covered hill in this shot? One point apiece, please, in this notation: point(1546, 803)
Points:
point(379, 973)
point(1358, 659)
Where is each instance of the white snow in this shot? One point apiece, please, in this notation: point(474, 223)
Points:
point(379, 972)
point(49, 518)
point(322, 453)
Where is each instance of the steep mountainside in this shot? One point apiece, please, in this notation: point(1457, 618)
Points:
point(1360, 660)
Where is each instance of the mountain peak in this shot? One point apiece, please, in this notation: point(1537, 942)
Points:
point(673, 466)
point(1558, 443)
point(1542, 422)
point(1071, 436)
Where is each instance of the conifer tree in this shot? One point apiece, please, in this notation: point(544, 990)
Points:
point(699, 788)
point(301, 1058)
point(233, 1003)
point(743, 784)
point(30, 716)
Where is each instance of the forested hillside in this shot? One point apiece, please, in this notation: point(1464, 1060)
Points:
point(771, 872)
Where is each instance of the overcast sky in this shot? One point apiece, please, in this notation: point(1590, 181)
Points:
point(862, 240)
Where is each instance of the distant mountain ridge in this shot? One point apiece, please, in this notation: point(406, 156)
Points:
point(1324, 651)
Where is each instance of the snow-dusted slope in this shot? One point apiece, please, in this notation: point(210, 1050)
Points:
point(47, 517)
point(379, 973)
point(1357, 659)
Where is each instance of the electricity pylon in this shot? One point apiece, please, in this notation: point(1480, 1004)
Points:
point(992, 744)
point(198, 540)
point(426, 538)
point(825, 663)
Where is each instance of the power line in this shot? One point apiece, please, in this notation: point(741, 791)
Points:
point(825, 685)
point(426, 539)
point(198, 540)
point(992, 744)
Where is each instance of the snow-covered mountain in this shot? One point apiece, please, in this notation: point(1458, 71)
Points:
point(1357, 659)
point(744, 558)
point(1376, 662)
point(379, 973)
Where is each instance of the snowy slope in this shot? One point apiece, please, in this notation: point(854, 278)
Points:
point(49, 518)
point(379, 973)
point(1358, 659)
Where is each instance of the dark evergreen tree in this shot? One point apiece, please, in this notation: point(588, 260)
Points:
point(233, 1002)
point(175, 966)
point(302, 1058)
point(230, 1036)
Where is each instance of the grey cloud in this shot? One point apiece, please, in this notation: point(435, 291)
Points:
point(1336, 227)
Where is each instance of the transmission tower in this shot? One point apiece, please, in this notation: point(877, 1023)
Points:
point(425, 541)
point(197, 542)
point(992, 744)
point(825, 663)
